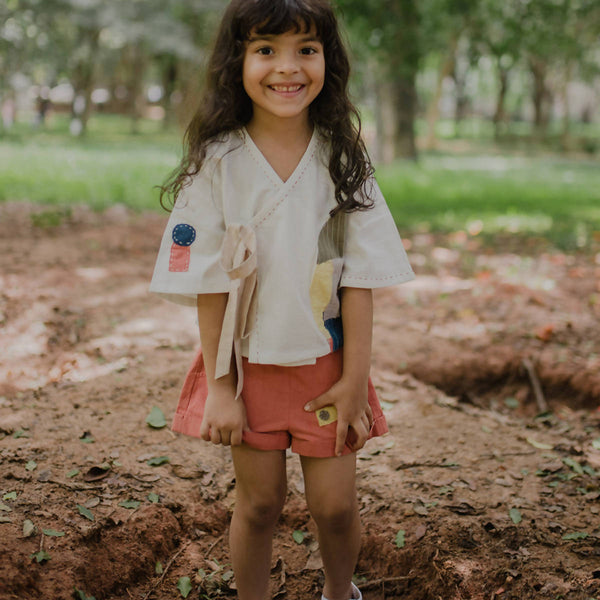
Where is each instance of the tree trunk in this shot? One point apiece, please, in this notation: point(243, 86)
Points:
point(85, 80)
point(566, 128)
point(405, 101)
point(385, 123)
point(500, 114)
point(433, 110)
point(540, 97)
point(169, 82)
point(404, 55)
point(462, 100)
point(136, 86)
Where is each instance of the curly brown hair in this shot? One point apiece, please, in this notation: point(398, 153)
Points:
point(225, 106)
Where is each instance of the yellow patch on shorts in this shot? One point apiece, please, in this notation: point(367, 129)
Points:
point(327, 415)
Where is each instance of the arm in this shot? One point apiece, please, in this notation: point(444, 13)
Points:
point(350, 394)
point(224, 416)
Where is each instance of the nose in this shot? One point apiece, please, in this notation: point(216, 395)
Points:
point(287, 64)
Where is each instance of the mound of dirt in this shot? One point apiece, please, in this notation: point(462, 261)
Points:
point(487, 486)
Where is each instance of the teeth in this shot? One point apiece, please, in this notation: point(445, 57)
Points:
point(286, 88)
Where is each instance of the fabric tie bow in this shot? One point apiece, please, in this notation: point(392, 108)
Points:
point(239, 261)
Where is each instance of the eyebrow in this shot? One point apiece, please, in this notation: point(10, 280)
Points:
point(268, 37)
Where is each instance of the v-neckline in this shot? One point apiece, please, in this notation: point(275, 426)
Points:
point(268, 168)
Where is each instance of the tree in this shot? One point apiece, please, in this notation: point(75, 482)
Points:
point(391, 31)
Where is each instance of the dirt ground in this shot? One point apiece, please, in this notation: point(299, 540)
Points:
point(480, 491)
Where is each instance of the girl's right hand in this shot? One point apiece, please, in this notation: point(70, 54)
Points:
point(224, 417)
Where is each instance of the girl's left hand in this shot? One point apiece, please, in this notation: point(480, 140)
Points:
point(351, 402)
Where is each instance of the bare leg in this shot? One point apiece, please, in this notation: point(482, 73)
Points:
point(260, 496)
point(331, 496)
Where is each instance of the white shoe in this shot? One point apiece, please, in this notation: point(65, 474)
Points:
point(356, 595)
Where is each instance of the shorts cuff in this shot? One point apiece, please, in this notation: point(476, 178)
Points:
point(267, 441)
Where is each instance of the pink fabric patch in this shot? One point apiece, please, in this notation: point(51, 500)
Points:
point(179, 262)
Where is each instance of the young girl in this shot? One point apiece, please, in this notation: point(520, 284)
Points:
point(278, 234)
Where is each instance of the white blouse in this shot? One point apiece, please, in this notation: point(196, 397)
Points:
point(293, 317)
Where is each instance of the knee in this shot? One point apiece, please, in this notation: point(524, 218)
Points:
point(260, 510)
point(334, 514)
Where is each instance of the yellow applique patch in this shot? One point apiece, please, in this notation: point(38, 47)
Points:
point(327, 415)
point(320, 293)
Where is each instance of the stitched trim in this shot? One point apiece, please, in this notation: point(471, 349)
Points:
point(259, 164)
point(371, 278)
point(292, 187)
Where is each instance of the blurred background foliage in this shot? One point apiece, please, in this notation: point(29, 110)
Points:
point(494, 103)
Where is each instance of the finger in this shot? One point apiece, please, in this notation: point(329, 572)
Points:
point(205, 431)
point(362, 434)
point(215, 435)
point(365, 421)
point(226, 438)
point(340, 437)
point(319, 402)
point(236, 437)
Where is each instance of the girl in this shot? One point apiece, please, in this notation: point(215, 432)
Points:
point(278, 235)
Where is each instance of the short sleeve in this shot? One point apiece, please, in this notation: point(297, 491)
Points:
point(188, 259)
point(374, 255)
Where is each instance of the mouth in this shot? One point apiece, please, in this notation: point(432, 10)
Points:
point(286, 89)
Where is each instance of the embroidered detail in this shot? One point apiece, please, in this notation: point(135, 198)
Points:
point(179, 261)
point(184, 235)
point(327, 415)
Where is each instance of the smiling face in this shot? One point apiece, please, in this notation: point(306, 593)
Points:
point(283, 74)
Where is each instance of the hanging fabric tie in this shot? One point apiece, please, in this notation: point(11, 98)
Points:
point(239, 261)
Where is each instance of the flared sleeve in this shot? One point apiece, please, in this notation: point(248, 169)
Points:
point(188, 261)
point(374, 256)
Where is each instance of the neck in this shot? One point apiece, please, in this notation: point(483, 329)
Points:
point(297, 128)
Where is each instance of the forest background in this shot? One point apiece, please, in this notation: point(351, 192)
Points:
point(498, 100)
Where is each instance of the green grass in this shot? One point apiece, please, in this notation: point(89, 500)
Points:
point(546, 197)
point(540, 196)
point(110, 166)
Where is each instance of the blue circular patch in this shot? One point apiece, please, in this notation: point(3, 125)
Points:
point(184, 235)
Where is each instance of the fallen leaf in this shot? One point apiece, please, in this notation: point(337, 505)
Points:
point(156, 418)
point(420, 531)
point(539, 445)
point(53, 532)
point(129, 504)
point(577, 535)
point(157, 461)
point(298, 536)
point(158, 568)
point(515, 515)
point(10, 496)
point(400, 540)
point(464, 508)
point(28, 528)
point(31, 465)
point(420, 508)
point(573, 464)
point(85, 512)
point(41, 556)
point(96, 473)
point(5, 508)
point(184, 585)
point(314, 562)
point(152, 497)
point(72, 473)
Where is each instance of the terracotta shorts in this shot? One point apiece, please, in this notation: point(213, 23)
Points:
point(274, 398)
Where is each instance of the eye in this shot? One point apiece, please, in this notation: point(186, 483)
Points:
point(265, 51)
point(308, 51)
